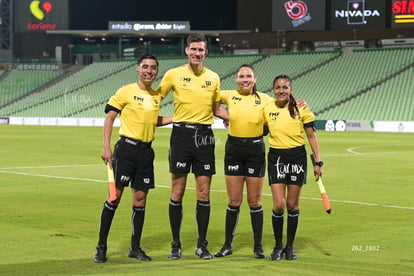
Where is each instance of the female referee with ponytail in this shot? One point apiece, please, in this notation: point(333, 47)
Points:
point(287, 161)
point(245, 159)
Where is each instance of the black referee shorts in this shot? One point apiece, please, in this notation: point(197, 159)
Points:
point(192, 147)
point(245, 156)
point(288, 166)
point(133, 162)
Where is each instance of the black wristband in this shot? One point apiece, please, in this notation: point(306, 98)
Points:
point(320, 163)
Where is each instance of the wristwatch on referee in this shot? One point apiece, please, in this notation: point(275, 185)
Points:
point(320, 163)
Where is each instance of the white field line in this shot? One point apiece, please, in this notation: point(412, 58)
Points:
point(190, 188)
point(47, 167)
point(354, 151)
point(52, 176)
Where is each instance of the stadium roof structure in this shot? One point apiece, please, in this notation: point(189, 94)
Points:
point(108, 33)
point(120, 34)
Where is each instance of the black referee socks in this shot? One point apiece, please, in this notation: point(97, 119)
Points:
point(256, 218)
point(107, 214)
point(292, 226)
point(137, 221)
point(277, 223)
point(202, 217)
point(176, 216)
point(232, 219)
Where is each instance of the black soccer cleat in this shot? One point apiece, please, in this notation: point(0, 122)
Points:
point(202, 251)
point(175, 251)
point(258, 252)
point(138, 253)
point(290, 254)
point(224, 251)
point(100, 255)
point(277, 254)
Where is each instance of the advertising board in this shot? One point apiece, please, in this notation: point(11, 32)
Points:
point(357, 14)
point(41, 15)
point(301, 15)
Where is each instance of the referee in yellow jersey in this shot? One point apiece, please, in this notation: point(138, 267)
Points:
point(196, 99)
point(287, 161)
point(133, 156)
point(244, 160)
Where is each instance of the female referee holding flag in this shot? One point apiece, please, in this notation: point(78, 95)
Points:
point(287, 161)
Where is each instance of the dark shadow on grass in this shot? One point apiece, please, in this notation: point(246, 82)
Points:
point(312, 244)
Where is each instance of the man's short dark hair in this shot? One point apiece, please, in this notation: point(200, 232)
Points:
point(148, 56)
point(196, 37)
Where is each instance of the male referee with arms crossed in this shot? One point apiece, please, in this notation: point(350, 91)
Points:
point(196, 100)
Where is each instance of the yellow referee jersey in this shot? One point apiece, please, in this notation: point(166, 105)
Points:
point(245, 112)
point(139, 111)
point(194, 94)
point(284, 131)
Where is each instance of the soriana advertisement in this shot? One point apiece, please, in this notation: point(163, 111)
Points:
point(41, 15)
point(298, 15)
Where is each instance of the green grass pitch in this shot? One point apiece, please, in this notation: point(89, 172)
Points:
point(53, 185)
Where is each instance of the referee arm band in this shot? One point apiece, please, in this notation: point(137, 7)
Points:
point(111, 108)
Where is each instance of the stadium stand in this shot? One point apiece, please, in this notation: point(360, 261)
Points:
point(75, 99)
point(87, 75)
point(17, 83)
point(352, 75)
point(292, 64)
point(363, 84)
point(391, 100)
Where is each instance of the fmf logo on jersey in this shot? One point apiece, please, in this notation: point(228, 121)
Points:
point(183, 79)
point(39, 11)
point(298, 12)
point(138, 99)
point(356, 13)
point(273, 115)
point(235, 100)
